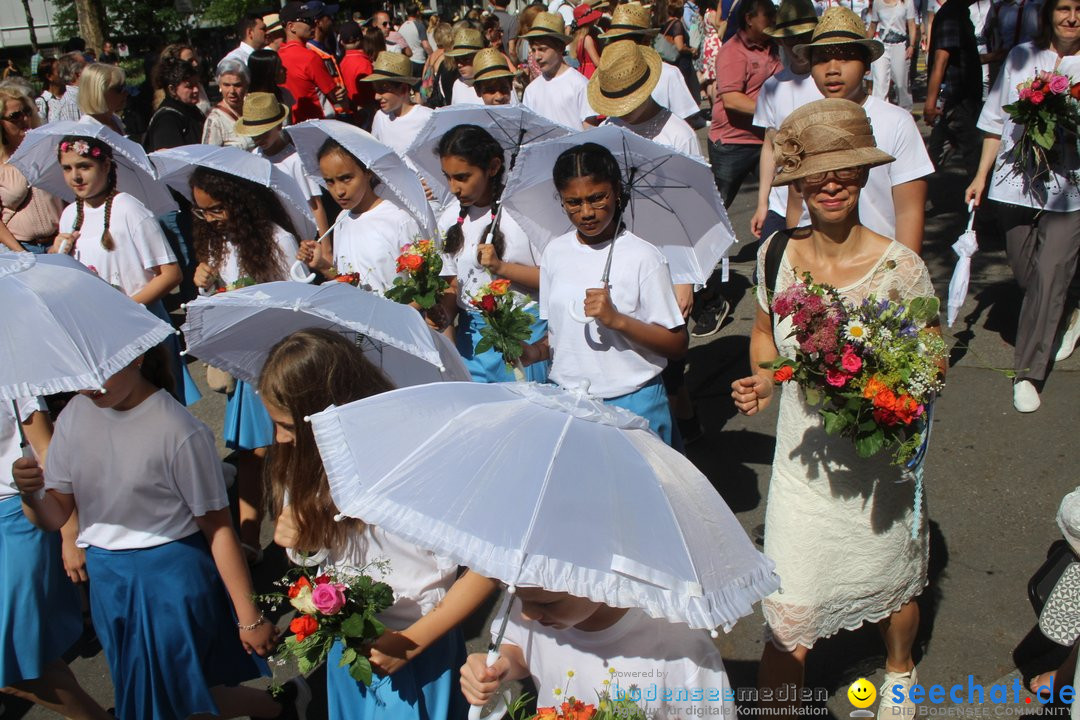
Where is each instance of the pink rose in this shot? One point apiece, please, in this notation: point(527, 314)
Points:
point(1037, 98)
point(836, 378)
point(328, 598)
point(850, 361)
point(1025, 93)
point(1059, 84)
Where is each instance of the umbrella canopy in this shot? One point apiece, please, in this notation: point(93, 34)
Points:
point(235, 330)
point(673, 200)
point(175, 165)
point(535, 485)
point(513, 126)
point(398, 182)
point(72, 330)
point(135, 174)
point(965, 247)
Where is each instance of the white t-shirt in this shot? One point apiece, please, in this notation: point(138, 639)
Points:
point(671, 92)
point(779, 97)
point(892, 18)
point(640, 286)
point(464, 94)
point(471, 274)
point(675, 669)
point(140, 477)
point(229, 272)
point(240, 53)
point(288, 161)
point(565, 8)
point(562, 99)
point(665, 128)
point(9, 440)
point(413, 34)
point(139, 243)
point(370, 243)
point(398, 131)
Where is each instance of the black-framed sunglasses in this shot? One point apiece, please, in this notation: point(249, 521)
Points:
point(842, 175)
point(16, 116)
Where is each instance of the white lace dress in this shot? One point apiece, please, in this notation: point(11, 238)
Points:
point(839, 527)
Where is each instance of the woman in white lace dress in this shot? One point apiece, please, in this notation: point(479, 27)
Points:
point(849, 543)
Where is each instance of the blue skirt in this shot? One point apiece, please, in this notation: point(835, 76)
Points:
point(40, 615)
point(247, 424)
point(489, 367)
point(167, 628)
point(650, 402)
point(185, 390)
point(427, 688)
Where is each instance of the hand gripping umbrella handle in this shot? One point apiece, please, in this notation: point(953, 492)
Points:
point(28, 452)
point(579, 315)
point(475, 712)
point(299, 271)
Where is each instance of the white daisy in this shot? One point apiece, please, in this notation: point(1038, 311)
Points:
point(856, 331)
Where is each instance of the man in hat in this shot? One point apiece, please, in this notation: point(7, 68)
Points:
point(398, 120)
point(559, 93)
point(467, 42)
point(275, 31)
point(306, 76)
point(251, 30)
point(893, 201)
point(262, 120)
point(492, 79)
point(322, 43)
point(781, 95)
point(356, 64)
point(632, 21)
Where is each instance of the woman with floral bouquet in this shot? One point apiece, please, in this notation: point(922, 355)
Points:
point(1037, 204)
point(849, 544)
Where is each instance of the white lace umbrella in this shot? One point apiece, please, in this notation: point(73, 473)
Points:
point(965, 248)
point(513, 126)
point(235, 330)
point(67, 329)
point(175, 166)
point(36, 159)
point(673, 200)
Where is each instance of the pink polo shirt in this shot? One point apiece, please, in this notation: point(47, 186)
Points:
point(741, 67)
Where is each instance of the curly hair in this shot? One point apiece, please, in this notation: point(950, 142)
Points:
point(478, 148)
point(98, 152)
point(253, 211)
point(172, 71)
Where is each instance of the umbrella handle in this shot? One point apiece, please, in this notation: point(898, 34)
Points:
point(501, 700)
point(299, 273)
point(579, 315)
point(29, 454)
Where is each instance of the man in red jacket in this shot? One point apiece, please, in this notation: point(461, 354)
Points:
point(306, 76)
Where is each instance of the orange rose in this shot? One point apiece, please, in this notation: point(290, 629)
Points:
point(410, 263)
point(500, 286)
point(546, 713)
point(1075, 91)
point(297, 586)
point(783, 374)
point(303, 626)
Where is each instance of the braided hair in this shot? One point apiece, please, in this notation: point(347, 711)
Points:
point(478, 148)
point(592, 160)
point(98, 152)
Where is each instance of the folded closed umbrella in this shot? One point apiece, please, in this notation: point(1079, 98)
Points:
point(965, 248)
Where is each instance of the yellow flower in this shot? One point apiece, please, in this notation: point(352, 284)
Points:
point(569, 673)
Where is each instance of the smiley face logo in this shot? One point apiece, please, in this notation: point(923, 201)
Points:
point(861, 693)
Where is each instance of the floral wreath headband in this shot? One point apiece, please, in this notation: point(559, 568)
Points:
point(82, 148)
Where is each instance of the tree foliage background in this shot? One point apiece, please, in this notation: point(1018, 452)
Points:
point(167, 19)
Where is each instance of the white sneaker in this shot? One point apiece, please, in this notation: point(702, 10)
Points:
point(888, 708)
point(1025, 396)
point(1070, 338)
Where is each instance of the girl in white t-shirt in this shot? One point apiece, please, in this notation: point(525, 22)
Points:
point(369, 239)
point(243, 236)
point(475, 252)
point(417, 658)
point(638, 326)
point(168, 574)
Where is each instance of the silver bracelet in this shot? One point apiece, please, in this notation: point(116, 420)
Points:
point(252, 626)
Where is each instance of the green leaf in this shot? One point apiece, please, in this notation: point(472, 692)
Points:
point(353, 626)
point(871, 444)
point(813, 396)
point(833, 422)
point(360, 670)
point(483, 346)
point(348, 657)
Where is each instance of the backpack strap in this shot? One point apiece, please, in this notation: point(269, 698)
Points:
point(774, 255)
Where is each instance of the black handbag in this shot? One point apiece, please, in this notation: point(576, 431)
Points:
point(1058, 558)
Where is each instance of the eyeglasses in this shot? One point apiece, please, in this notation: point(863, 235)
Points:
point(842, 175)
point(17, 116)
point(207, 213)
point(596, 202)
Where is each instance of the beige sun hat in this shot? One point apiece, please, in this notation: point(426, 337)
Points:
point(795, 17)
point(273, 23)
point(548, 25)
point(490, 64)
point(467, 41)
point(824, 135)
point(262, 112)
point(630, 19)
point(840, 26)
point(391, 67)
point(625, 78)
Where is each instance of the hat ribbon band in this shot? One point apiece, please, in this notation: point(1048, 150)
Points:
point(796, 21)
point(846, 34)
point(632, 28)
point(489, 69)
point(390, 74)
point(467, 47)
point(629, 89)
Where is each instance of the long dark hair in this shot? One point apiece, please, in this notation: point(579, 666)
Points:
point(478, 148)
point(98, 152)
point(253, 210)
point(264, 66)
point(592, 160)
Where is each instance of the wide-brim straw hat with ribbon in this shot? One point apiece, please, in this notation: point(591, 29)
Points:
point(626, 77)
point(490, 64)
point(262, 112)
point(825, 135)
point(795, 17)
point(467, 41)
point(630, 19)
point(391, 67)
point(273, 23)
point(549, 25)
point(840, 26)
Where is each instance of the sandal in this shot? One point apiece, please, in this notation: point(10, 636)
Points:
point(1043, 680)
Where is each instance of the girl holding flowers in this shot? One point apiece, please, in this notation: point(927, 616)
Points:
point(417, 657)
point(847, 534)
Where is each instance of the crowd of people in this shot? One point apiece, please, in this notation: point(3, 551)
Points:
point(813, 98)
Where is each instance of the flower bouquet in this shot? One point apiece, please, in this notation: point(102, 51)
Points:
point(330, 607)
point(352, 278)
point(421, 284)
point(1048, 109)
point(871, 368)
point(241, 282)
point(621, 706)
point(507, 325)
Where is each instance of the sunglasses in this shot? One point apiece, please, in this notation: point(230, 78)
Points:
point(844, 175)
point(17, 116)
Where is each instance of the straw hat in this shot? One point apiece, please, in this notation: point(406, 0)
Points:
point(548, 25)
point(630, 19)
point(840, 26)
point(391, 67)
point(490, 64)
point(627, 75)
point(467, 41)
point(795, 17)
point(262, 112)
point(273, 23)
point(825, 135)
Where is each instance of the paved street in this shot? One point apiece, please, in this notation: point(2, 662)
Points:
point(993, 482)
